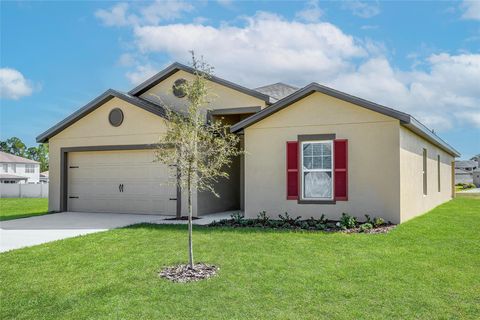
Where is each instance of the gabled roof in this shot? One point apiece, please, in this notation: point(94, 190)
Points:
point(404, 118)
point(167, 72)
point(6, 157)
point(94, 104)
point(466, 164)
point(277, 91)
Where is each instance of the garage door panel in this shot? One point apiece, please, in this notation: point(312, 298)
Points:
point(94, 179)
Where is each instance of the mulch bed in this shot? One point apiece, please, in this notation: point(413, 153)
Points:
point(377, 230)
point(183, 273)
point(330, 226)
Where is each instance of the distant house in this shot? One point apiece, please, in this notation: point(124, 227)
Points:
point(476, 158)
point(15, 169)
point(44, 177)
point(464, 170)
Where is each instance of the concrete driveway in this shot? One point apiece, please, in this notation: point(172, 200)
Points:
point(19, 233)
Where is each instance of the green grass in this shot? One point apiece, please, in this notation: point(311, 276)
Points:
point(427, 268)
point(14, 208)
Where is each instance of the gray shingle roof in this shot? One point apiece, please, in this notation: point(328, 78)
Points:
point(277, 91)
point(10, 158)
point(11, 176)
point(466, 164)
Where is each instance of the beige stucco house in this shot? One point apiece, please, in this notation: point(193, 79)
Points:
point(309, 151)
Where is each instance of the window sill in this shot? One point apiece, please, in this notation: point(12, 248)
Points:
point(307, 201)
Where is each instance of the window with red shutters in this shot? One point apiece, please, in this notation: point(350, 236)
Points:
point(341, 169)
point(292, 170)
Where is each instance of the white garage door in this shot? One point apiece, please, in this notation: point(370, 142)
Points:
point(119, 181)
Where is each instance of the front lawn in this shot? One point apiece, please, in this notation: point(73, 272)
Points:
point(427, 268)
point(14, 208)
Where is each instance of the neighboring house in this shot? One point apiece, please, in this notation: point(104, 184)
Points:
point(464, 170)
point(463, 176)
point(466, 165)
point(44, 177)
point(476, 177)
point(309, 152)
point(476, 158)
point(15, 169)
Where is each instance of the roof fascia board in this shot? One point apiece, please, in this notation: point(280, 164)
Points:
point(418, 128)
point(94, 104)
point(404, 118)
point(162, 75)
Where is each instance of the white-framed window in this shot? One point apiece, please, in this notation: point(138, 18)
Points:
point(29, 168)
point(5, 167)
point(317, 170)
point(14, 167)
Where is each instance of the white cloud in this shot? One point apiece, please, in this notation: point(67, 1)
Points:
point(141, 73)
point(443, 94)
point(311, 13)
point(152, 14)
point(268, 48)
point(471, 10)
point(471, 117)
point(225, 3)
point(289, 50)
point(126, 60)
point(13, 84)
point(362, 9)
point(116, 16)
point(164, 11)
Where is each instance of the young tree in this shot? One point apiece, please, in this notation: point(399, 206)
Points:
point(200, 151)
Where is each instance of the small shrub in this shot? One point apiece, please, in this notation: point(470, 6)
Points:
point(368, 219)
point(237, 218)
point(347, 221)
point(288, 221)
point(263, 219)
point(365, 226)
point(378, 222)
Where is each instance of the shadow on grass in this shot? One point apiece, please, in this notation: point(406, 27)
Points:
point(207, 229)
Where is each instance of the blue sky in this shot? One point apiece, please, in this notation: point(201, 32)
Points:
point(419, 57)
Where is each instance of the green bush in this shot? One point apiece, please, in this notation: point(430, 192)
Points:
point(263, 219)
point(378, 222)
point(365, 226)
point(347, 221)
point(237, 218)
point(289, 221)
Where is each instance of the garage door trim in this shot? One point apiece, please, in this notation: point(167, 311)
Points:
point(64, 167)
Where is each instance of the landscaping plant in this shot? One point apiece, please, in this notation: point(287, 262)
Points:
point(200, 151)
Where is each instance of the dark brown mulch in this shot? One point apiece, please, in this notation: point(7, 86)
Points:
point(183, 273)
point(382, 229)
point(182, 218)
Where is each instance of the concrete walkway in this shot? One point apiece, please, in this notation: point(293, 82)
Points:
point(474, 190)
point(19, 233)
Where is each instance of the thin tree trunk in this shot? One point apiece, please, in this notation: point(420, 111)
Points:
point(190, 212)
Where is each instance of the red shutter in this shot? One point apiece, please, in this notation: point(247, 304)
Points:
point(292, 170)
point(341, 169)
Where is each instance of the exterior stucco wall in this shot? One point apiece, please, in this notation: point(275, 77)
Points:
point(138, 127)
point(413, 201)
point(373, 174)
point(228, 190)
point(220, 97)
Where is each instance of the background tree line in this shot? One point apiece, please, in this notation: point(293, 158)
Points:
point(16, 146)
